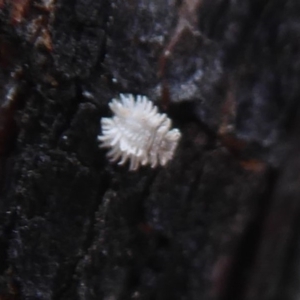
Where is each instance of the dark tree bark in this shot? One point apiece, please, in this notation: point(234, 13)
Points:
point(220, 221)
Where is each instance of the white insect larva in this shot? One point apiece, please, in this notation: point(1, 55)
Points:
point(137, 132)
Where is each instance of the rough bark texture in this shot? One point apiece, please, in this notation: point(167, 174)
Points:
point(221, 221)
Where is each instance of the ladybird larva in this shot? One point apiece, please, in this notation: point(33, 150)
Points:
point(138, 132)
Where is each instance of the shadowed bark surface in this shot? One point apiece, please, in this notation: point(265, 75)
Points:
point(220, 221)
